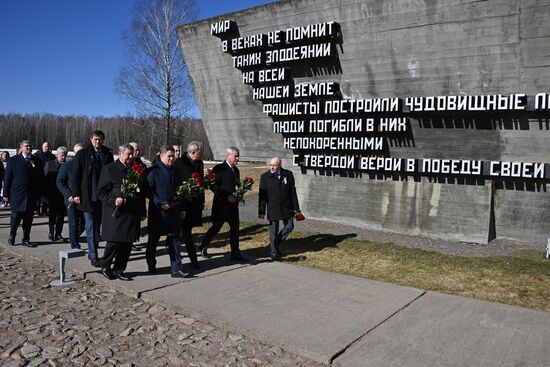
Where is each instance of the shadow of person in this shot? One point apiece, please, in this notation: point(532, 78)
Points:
point(296, 246)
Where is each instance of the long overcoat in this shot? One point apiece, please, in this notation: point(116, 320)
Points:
point(24, 182)
point(85, 176)
point(127, 226)
point(186, 168)
point(161, 188)
point(226, 181)
point(278, 195)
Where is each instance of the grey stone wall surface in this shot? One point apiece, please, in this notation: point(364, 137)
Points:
point(402, 48)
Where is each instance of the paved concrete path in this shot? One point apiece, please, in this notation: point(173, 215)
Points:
point(331, 318)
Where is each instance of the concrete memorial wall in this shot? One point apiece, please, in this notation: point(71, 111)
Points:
point(421, 117)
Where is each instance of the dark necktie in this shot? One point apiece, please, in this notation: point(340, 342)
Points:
point(233, 170)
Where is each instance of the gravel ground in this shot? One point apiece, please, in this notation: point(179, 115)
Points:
point(85, 324)
point(500, 247)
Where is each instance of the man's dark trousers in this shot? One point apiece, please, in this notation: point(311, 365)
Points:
point(120, 251)
point(15, 220)
point(233, 234)
point(76, 224)
point(173, 243)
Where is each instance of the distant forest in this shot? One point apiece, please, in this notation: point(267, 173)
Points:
point(149, 133)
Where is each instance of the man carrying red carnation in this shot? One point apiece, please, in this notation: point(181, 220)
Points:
point(278, 195)
point(225, 207)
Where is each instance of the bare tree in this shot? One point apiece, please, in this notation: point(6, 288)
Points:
point(155, 78)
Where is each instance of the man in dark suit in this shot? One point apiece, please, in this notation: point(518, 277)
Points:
point(45, 155)
point(165, 212)
point(225, 207)
point(120, 231)
point(189, 163)
point(89, 163)
point(278, 194)
point(57, 209)
point(23, 188)
point(75, 217)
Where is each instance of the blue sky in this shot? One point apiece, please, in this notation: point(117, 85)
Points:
point(62, 56)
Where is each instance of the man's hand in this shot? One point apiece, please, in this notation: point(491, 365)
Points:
point(182, 215)
point(231, 199)
point(119, 202)
point(165, 206)
point(6, 199)
point(77, 200)
point(70, 199)
point(143, 217)
point(261, 216)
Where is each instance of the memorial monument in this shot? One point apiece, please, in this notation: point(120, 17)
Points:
point(425, 117)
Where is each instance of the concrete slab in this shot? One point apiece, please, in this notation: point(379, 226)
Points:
point(444, 330)
point(311, 312)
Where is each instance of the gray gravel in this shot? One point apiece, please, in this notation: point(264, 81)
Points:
point(500, 247)
point(86, 324)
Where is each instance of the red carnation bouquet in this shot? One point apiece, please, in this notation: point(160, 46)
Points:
point(242, 188)
point(129, 189)
point(190, 188)
point(298, 215)
point(209, 179)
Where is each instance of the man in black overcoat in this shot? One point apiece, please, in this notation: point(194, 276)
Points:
point(121, 231)
point(45, 155)
point(57, 209)
point(89, 163)
point(23, 188)
point(225, 207)
point(278, 195)
point(189, 163)
point(165, 212)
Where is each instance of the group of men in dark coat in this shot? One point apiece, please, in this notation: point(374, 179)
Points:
point(89, 189)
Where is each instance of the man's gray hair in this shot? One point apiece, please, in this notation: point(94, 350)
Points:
point(166, 148)
point(134, 144)
point(124, 147)
point(279, 162)
point(77, 147)
point(62, 149)
point(25, 142)
point(233, 150)
point(194, 145)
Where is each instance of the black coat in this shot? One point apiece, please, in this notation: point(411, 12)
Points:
point(51, 170)
point(226, 181)
point(127, 226)
point(44, 157)
point(279, 196)
point(23, 183)
point(85, 177)
point(161, 190)
point(186, 168)
point(1, 174)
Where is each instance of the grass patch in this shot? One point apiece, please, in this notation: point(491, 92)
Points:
point(522, 279)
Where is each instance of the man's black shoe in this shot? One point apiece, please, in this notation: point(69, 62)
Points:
point(205, 253)
point(76, 247)
point(107, 273)
point(120, 275)
point(276, 257)
point(152, 270)
point(51, 237)
point(239, 258)
point(179, 274)
point(59, 239)
point(195, 265)
point(95, 263)
point(11, 241)
point(28, 243)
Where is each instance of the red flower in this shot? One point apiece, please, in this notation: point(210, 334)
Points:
point(298, 215)
point(209, 179)
point(138, 168)
point(197, 178)
point(250, 180)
